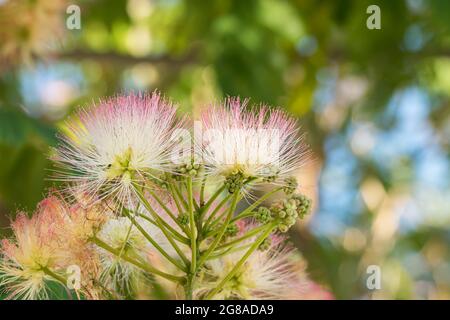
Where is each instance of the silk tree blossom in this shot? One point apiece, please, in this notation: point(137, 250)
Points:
point(269, 273)
point(26, 260)
point(45, 245)
point(261, 144)
point(141, 225)
point(120, 141)
point(77, 226)
point(121, 234)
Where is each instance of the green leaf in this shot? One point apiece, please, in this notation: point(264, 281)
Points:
point(14, 127)
point(23, 173)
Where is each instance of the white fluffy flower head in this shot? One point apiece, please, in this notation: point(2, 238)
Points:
point(267, 274)
point(263, 144)
point(120, 141)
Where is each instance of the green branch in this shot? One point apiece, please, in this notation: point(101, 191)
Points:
point(154, 243)
point(138, 264)
point(241, 262)
point(216, 241)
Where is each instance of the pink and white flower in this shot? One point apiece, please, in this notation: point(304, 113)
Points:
point(25, 259)
point(121, 141)
point(255, 142)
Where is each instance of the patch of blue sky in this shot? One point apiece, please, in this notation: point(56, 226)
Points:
point(33, 82)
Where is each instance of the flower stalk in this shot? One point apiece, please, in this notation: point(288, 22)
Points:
point(141, 223)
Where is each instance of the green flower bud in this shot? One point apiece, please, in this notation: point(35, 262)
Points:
point(290, 186)
point(303, 204)
point(286, 212)
point(234, 181)
point(263, 215)
point(232, 230)
point(290, 212)
point(283, 228)
point(265, 245)
point(290, 221)
point(183, 219)
point(188, 168)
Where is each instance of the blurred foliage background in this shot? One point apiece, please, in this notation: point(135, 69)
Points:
point(374, 103)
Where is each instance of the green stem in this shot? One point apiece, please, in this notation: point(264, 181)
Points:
point(193, 227)
point(202, 190)
point(147, 218)
point(179, 201)
point(216, 209)
point(126, 239)
point(54, 275)
point(158, 219)
point(258, 202)
point(161, 224)
point(213, 224)
point(154, 243)
point(180, 196)
point(182, 240)
point(189, 287)
point(242, 216)
point(175, 198)
point(167, 210)
point(211, 200)
point(211, 230)
point(240, 263)
point(138, 264)
point(194, 201)
point(249, 234)
point(228, 251)
point(216, 241)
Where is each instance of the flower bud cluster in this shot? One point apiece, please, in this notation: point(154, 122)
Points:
point(290, 185)
point(232, 230)
point(234, 181)
point(265, 245)
point(288, 211)
point(183, 219)
point(263, 215)
point(192, 169)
